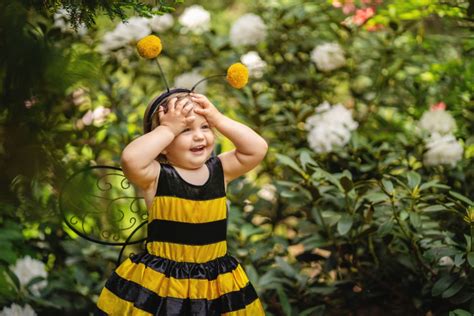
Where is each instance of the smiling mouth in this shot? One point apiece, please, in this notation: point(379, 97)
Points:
point(198, 148)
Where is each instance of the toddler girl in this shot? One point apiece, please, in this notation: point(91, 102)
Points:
point(186, 269)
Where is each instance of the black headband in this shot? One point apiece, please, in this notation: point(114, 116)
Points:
point(154, 106)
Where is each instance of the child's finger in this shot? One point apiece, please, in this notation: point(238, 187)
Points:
point(200, 101)
point(188, 108)
point(200, 97)
point(180, 104)
point(172, 104)
point(190, 119)
point(199, 110)
point(161, 112)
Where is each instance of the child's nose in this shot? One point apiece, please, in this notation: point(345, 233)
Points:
point(198, 134)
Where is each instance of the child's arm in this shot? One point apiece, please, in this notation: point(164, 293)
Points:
point(250, 147)
point(138, 158)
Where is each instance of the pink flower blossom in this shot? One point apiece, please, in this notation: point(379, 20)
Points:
point(346, 5)
point(363, 15)
point(440, 106)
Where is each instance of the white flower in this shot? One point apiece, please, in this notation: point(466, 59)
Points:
point(17, 310)
point(195, 19)
point(446, 261)
point(268, 192)
point(330, 127)
point(98, 116)
point(249, 29)
point(160, 23)
point(27, 269)
point(438, 121)
point(62, 21)
point(188, 80)
point(328, 56)
point(254, 63)
point(125, 34)
point(80, 96)
point(442, 150)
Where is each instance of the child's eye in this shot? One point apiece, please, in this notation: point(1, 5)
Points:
point(205, 126)
point(186, 130)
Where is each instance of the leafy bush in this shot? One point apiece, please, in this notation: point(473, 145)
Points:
point(359, 207)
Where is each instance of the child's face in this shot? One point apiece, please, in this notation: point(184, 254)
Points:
point(193, 146)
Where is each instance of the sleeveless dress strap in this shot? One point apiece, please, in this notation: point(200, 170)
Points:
point(215, 168)
point(170, 183)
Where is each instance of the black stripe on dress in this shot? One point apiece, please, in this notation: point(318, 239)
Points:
point(187, 270)
point(151, 302)
point(171, 184)
point(187, 233)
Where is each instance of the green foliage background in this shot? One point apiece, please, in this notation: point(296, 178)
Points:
point(359, 230)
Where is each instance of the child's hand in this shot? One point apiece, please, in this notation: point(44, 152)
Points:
point(206, 109)
point(177, 117)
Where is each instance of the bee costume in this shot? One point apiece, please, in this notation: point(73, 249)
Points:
point(185, 269)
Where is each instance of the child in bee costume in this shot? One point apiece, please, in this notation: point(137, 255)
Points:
point(186, 269)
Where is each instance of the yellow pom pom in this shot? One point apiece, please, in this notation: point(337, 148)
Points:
point(149, 47)
point(237, 75)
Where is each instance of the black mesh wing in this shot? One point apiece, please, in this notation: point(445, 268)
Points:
point(99, 204)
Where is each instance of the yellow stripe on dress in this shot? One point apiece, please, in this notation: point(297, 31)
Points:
point(163, 286)
point(188, 211)
point(254, 309)
point(187, 253)
point(114, 305)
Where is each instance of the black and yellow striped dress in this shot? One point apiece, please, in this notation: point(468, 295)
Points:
point(186, 269)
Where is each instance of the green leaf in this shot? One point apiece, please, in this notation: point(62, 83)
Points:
point(317, 216)
point(330, 217)
point(455, 288)
point(461, 297)
point(461, 197)
point(314, 311)
point(8, 253)
point(437, 253)
point(252, 273)
point(458, 259)
point(320, 173)
point(376, 197)
point(385, 228)
point(7, 290)
point(286, 267)
point(415, 219)
point(10, 234)
point(346, 183)
point(323, 290)
point(414, 179)
point(442, 284)
point(470, 258)
point(248, 230)
point(288, 194)
point(344, 224)
point(459, 312)
point(434, 208)
point(289, 162)
point(404, 215)
point(269, 280)
point(428, 185)
point(388, 185)
point(305, 159)
point(284, 301)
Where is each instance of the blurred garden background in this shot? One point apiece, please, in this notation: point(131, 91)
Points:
point(364, 203)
